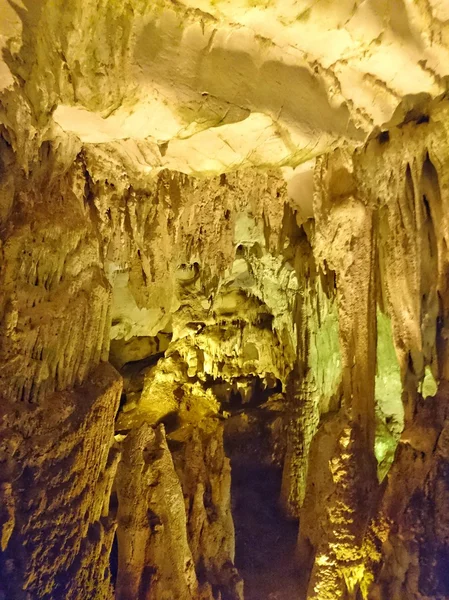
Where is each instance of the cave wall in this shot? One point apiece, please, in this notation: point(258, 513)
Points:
point(58, 466)
point(380, 226)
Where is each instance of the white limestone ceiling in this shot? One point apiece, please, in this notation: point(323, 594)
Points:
point(206, 86)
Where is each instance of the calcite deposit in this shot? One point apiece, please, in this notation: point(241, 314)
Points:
point(224, 300)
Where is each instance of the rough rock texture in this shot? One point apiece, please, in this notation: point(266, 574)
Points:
point(414, 557)
point(253, 83)
point(309, 309)
point(154, 559)
point(58, 467)
point(384, 533)
point(205, 476)
point(99, 274)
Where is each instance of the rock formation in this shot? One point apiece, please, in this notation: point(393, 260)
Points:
point(224, 300)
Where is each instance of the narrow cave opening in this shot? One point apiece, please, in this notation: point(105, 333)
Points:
point(113, 561)
point(235, 400)
point(265, 537)
point(240, 400)
point(113, 557)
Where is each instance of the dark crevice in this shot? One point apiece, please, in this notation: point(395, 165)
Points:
point(113, 561)
point(383, 137)
point(265, 537)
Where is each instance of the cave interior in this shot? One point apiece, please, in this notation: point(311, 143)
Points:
point(224, 300)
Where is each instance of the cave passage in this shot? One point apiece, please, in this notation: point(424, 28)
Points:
point(265, 538)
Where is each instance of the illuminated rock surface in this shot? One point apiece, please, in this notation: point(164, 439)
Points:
point(224, 303)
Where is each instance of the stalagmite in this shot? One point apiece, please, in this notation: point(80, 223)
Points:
point(154, 558)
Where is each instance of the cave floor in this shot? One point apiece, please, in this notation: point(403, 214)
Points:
point(265, 539)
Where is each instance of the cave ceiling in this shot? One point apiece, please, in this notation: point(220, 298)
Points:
point(208, 86)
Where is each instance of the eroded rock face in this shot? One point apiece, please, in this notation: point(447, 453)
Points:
point(205, 475)
point(58, 466)
point(259, 83)
point(389, 201)
point(154, 558)
point(62, 305)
